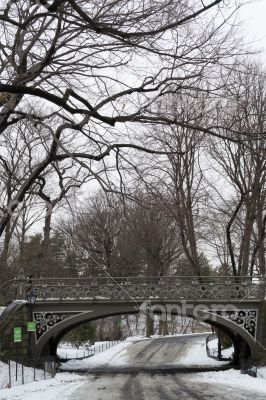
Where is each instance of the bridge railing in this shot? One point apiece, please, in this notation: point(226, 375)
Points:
point(225, 288)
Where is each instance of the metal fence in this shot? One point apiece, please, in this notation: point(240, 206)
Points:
point(89, 352)
point(213, 353)
point(18, 373)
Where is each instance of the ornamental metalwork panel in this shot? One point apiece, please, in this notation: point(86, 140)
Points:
point(46, 320)
point(143, 288)
point(247, 319)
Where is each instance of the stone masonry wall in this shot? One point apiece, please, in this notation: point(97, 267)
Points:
point(9, 349)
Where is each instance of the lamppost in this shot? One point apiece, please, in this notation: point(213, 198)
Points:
point(31, 297)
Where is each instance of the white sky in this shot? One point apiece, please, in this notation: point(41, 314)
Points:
point(253, 17)
point(253, 27)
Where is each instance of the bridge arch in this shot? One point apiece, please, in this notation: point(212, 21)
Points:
point(49, 340)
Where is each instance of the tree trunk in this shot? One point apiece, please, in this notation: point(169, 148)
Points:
point(117, 332)
point(100, 330)
point(244, 258)
point(261, 223)
point(5, 253)
point(149, 326)
point(228, 235)
point(46, 244)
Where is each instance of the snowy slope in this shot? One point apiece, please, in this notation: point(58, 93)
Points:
point(59, 387)
point(28, 374)
point(234, 378)
point(116, 356)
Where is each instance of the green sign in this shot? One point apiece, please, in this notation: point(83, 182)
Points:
point(17, 334)
point(31, 327)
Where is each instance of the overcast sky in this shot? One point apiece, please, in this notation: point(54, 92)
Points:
point(254, 23)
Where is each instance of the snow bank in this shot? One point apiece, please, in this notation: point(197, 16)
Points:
point(233, 378)
point(213, 345)
point(262, 373)
point(71, 352)
point(116, 356)
point(28, 374)
point(60, 387)
point(136, 338)
point(197, 356)
point(66, 350)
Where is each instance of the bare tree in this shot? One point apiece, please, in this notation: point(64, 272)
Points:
point(16, 148)
point(245, 168)
point(83, 62)
point(177, 179)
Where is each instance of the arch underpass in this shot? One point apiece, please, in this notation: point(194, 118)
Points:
point(47, 342)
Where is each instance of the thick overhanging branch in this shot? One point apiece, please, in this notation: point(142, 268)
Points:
point(109, 30)
point(59, 101)
point(101, 156)
point(138, 116)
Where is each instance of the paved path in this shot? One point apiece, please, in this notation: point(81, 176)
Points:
point(163, 353)
point(184, 353)
point(145, 386)
point(157, 354)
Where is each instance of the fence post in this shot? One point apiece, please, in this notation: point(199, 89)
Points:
point(22, 372)
point(16, 370)
point(219, 346)
point(9, 371)
point(34, 371)
point(54, 369)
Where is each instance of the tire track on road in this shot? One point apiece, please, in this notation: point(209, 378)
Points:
point(132, 389)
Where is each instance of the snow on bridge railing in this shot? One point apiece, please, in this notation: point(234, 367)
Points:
point(143, 288)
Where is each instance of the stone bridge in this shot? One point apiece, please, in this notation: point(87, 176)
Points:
point(235, 304)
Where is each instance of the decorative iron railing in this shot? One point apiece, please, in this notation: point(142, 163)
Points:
point(142, 288)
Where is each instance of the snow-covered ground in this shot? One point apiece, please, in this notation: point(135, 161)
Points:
point(67, 386)
point(191, 351)
point(213, 346)
point(234, 378)
point(197, 356)
point(177, 350)
point(67, 351)
point(59, 387)
point(115, 356)
point(28, 374)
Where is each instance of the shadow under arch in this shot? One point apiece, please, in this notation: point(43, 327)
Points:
point(48, 343)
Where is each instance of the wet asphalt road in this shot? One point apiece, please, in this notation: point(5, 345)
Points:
point(145, 386)
point(127, 383)
point(160, 354)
